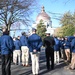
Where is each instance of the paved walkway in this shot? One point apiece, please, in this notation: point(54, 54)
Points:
point(59, 68)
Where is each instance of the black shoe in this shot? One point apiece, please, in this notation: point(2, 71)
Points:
point(48, 70)
point(52, 68)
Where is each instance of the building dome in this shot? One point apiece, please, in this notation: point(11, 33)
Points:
point(43, 16)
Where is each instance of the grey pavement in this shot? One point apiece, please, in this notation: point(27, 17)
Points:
point(59, 68)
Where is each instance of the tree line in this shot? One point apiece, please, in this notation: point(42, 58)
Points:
point(67, 22)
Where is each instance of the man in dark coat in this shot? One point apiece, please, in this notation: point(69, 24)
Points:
point(49, 51)
point(6, 47)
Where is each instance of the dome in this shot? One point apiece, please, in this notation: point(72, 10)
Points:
point(43, 16)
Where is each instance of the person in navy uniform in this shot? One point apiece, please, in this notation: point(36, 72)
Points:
point(49, 51)
point(67, 47)
point(6, 47)
point(24, 50)
point(71, 66)
point(56, 50)
point(17, 51)
point(35, 43)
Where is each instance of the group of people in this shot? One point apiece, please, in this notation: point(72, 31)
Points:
point(25, 46)
point(22, 46)
point(65, 48)
point(21, 50)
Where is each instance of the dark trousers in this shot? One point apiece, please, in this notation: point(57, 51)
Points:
point(49, 58)
point(6, 64)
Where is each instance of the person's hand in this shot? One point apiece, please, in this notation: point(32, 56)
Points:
point(64, 44)
point(34, 50)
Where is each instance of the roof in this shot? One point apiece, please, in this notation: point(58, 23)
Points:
point(43, 15)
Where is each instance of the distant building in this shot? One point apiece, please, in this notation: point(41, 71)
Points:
point(46, 20)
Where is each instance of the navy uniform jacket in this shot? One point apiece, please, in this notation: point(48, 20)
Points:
point(67, 45)
point(23, 40)
point(35, 42)
point(73, 45)
point(17, 44)
point(62, 44)
point(6, 44)
point(57, 44)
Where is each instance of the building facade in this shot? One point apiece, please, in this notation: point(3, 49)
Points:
point(46, 20)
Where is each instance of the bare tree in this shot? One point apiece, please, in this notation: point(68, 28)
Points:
point(15, 10)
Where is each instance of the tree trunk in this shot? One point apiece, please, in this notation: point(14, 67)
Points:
point(8, 27)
